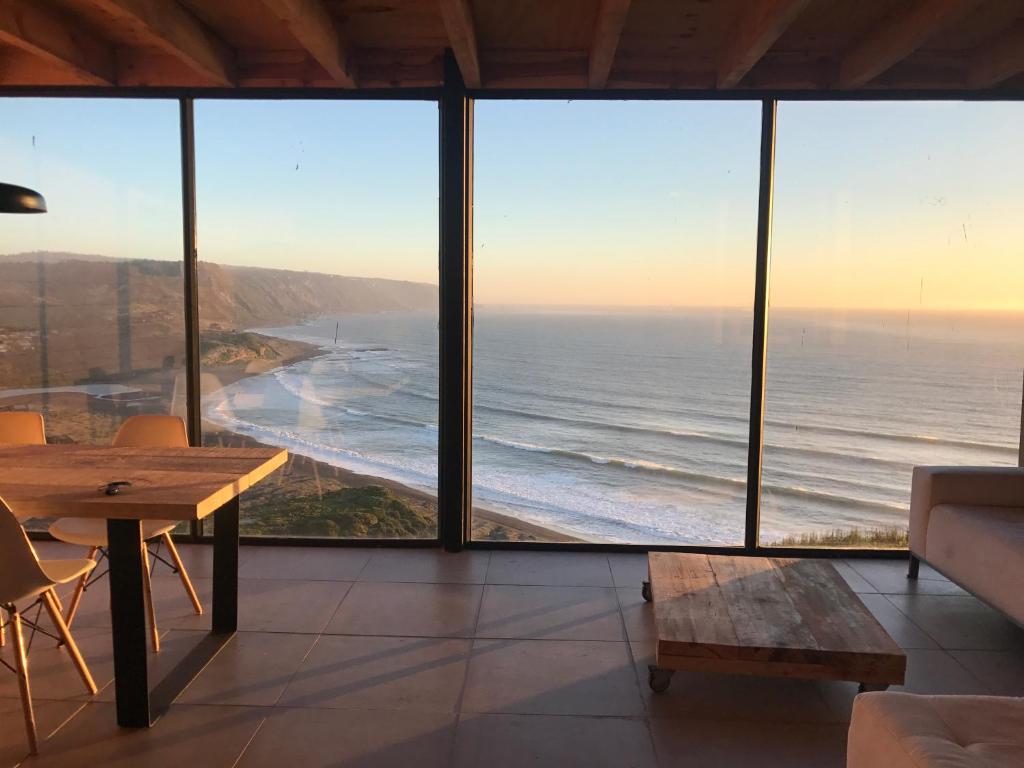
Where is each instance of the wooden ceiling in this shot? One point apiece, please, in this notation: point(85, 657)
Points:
point(818, 45)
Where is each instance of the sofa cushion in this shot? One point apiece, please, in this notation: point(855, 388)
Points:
point(900, 730)
point(985, 486)
point(981, 548)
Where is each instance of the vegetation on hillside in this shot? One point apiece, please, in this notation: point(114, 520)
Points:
point(229, 347)
point(895, 537)
point(70, 319)
point(370, 511)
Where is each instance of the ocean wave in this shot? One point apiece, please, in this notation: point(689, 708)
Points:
point(733, 483)
point(740, 419)
point(292, 386)
point(298, 385)
point(717, 439)
point(742, 442)
point(333, 455)
point(894, 436)
point(625, 428)
point(616, 461)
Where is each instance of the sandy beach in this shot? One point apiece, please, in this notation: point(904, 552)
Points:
point(303, 477)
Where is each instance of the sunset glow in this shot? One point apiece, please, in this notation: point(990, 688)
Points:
point(878, 205)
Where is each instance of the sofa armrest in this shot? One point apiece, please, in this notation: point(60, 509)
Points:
point(977, 486)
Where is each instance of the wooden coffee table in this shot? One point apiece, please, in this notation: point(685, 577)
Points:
point(764, 616)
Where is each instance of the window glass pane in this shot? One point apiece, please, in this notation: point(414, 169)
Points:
point(318, 308)
point(91, 301)
point(896, 334)
point(613, 262)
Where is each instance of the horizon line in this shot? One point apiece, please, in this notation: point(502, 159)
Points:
point(563, 307)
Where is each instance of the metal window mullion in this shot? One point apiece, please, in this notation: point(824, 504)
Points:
point(456, 310)
point(1020, 440)
point(760, 327)
point(191, 281)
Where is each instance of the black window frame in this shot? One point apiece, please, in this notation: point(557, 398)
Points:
point(455, 157)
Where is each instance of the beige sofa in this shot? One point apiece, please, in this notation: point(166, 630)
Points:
point(903, 730)
point(968, 523)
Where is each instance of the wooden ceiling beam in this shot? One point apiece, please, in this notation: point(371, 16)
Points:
point(59, 43)
point(312, 26)
point(458, 22)
point(897, 37)
point(170, 27)
point(999, 60)
point(758, 27)
point(611, 18)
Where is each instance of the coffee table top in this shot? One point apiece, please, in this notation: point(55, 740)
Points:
point(772, 616)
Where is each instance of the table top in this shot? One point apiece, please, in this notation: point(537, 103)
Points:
point(761, 615)
point(167, 483)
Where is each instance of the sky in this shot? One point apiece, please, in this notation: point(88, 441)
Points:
point(878, 205)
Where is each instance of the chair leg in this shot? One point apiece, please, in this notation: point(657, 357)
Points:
point(53, 608)
point(183, 574)
point(21, 666)
point(914, 568)
point(147, 591)
point(76, 597)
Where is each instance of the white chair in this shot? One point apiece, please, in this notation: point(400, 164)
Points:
point(23, 576)
point(20, 428)
point(148, 431)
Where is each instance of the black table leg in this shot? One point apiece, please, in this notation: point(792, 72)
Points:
point(128, 622)
point(137, 706)
point(225, 568)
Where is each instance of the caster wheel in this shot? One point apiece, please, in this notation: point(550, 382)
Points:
point(645, 590)
point(659, 679)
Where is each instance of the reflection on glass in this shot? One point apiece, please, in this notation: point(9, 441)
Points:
point(318, 309)
point(614, 260)
point(896, 333)
point(91, 314)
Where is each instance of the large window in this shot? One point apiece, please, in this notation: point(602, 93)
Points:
point(318, 308)
point(613, 261)
point(91, 302)
point(897, 310)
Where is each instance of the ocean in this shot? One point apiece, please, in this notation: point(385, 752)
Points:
point(633, 427)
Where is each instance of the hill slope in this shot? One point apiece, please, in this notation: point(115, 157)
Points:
point(67, 318)
point(242, 297)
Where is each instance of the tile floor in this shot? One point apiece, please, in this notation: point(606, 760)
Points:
point(358, 657)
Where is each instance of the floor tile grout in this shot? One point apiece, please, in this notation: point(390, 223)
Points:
point(475, 648)
point(465, 678)
point(636, 672)
point(248, 743)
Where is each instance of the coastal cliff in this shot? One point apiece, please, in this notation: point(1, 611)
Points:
point(68, 318)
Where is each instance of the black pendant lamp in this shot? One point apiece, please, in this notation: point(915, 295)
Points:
point(15, 199)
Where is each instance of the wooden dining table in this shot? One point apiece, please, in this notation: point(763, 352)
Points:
point(166, 484)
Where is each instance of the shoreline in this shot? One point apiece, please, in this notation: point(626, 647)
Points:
point(321, 477)
point(74, 415)
point(488, 524)
point(78, 411)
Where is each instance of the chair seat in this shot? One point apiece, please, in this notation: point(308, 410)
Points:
point(982, 548)
point(91, 532)
point(56, 572)
point(63, 571)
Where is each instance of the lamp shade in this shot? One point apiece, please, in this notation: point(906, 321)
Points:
point(15, 199)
